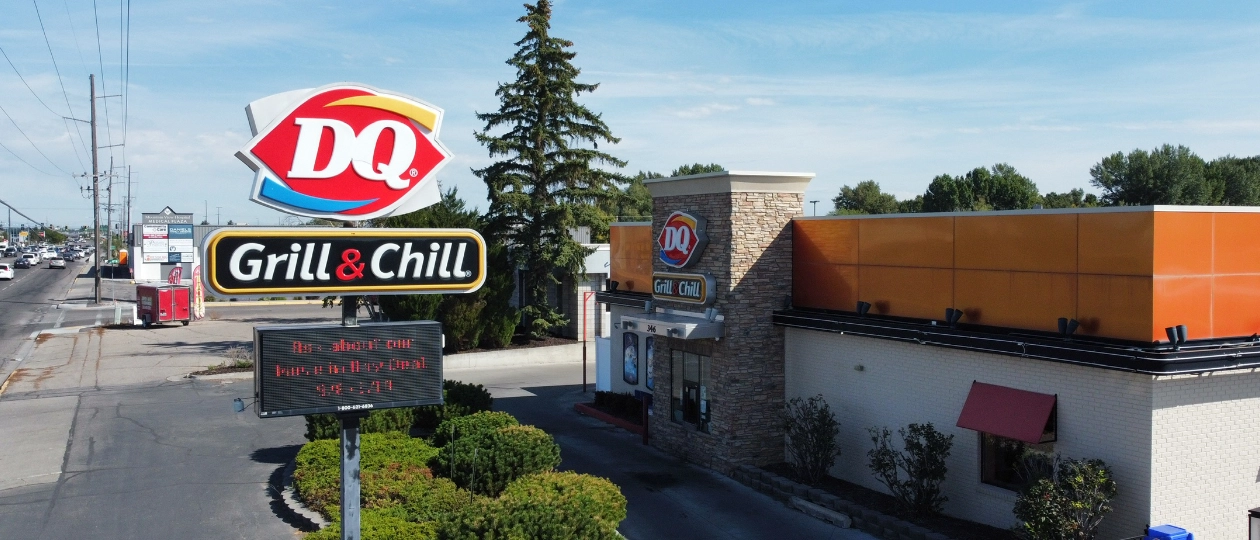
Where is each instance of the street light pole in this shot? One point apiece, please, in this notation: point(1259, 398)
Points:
point(815, 203)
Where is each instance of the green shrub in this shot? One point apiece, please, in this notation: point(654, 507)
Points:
point(561, 505)
point(1069, 504)
point(922, 461)
point(376, 525)
point(317, 477)
point(486, 463)
point(498, 318)
point(460, 315)
point(327, 426)
point(461, 399)
point(811, 429)
point(472, 425)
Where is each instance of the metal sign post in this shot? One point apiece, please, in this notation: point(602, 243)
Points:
point(350, 475)
point(350, 444)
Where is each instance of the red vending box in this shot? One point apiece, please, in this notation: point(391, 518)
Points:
point(163, 303)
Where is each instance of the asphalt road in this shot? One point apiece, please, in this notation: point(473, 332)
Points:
point(28, 303)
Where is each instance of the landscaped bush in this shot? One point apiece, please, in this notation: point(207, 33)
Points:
point(470, 426)
point(461, 399)
point(380, 525)
point(1069, 504)
point(621, 405)
point(922, 462)
point(811, 430)
point(317, 477)
point(486, 463)
point(327, 426)
point(561, 505)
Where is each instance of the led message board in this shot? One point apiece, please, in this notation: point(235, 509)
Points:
point(311, 369)
point(344, 260)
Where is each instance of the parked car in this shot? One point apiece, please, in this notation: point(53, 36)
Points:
point(22, 263)
point(56, 262)
point(6, 271)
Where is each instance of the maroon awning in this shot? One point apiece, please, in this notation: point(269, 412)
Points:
point(1006, 412)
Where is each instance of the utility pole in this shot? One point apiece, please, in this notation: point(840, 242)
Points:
point(128, 205)
point(109, 213)
point(218, 211)
point(96, 197)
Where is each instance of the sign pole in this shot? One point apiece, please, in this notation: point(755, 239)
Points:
point(350, 475)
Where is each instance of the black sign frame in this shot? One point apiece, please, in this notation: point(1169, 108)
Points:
point(421, 360)
point(322, 252)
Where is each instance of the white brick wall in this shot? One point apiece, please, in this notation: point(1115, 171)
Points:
point(1206, 458)
point(1103, 414)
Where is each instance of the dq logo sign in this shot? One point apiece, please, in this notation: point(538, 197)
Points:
point(344, 151)
point(682, 240)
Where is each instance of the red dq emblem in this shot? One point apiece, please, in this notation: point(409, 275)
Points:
point(682, 240)
point(344, 151)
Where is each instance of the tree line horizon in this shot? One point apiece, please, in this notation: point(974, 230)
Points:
point(1167, 175)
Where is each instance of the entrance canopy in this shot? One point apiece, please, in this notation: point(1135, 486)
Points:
point(674, 325)
point(1009, 412)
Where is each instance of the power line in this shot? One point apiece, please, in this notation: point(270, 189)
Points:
point(58, 71)
point(69, 137)
point(28, 139)
point(28, 164)
point(127, 80)
point(100, 57)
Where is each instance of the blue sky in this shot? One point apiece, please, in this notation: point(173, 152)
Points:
point(897, 92)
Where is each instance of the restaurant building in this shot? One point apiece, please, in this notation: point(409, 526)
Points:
point(1124, 334)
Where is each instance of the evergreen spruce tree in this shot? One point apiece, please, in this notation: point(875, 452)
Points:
point(547, 181)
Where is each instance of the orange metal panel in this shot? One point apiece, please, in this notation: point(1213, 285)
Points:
point(825, 286)
point(1235, 303)
point(830, 241)
point(1116, 243)
point(1183, 243)
point(1031, 300)
point(1182, 300)
point(1237, 243)
point(1031, 243)
point(1114, 306)
point(922, 293)
point(926, 242)
point(630, 257)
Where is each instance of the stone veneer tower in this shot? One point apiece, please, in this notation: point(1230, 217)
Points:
point(749, 254)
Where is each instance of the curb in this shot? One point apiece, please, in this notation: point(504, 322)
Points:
point(597, 414)
point(289, 496)
point(870, 521)
point(269, 303)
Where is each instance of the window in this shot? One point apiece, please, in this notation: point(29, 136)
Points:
point(1011, 464)
point(689, 388)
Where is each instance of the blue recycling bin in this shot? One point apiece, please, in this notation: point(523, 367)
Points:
point(1168, 532)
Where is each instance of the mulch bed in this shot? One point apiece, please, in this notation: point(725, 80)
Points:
point(953, 527)
point(636, 419)
point(217, 370)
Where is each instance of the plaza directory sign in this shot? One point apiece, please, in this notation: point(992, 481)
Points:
point(312, 369)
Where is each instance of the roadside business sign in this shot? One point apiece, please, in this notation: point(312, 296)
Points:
point(680, 287)
point(682, 240)
point(311, 369)
point(344, 151)
point(343, 261)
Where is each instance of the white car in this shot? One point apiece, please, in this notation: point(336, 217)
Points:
point(6, 271)
point(33, 258)
point(56, 262)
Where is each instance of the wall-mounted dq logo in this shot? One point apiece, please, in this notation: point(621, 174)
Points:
point(344, 151)
point(682, 239)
